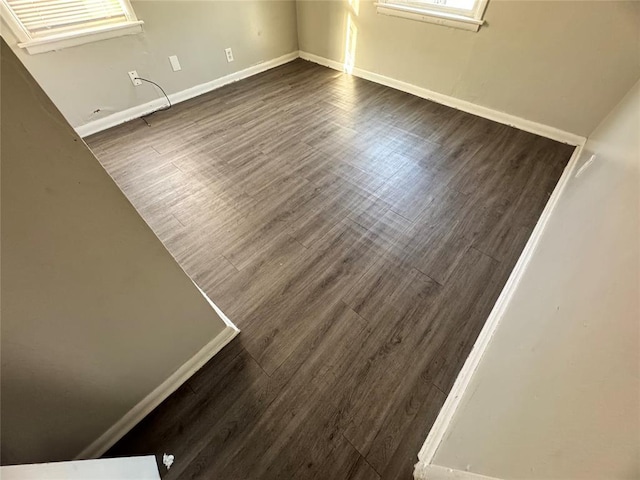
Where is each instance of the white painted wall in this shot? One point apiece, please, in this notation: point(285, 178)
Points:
point(557, 393)
point(96, 314)
point(90, 77)
point(558, 63)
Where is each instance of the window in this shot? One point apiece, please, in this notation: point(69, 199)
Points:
point(466, 14)
point(45, 25)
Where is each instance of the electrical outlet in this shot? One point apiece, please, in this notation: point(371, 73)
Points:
point(229, 54)
point(133, 75)
point(175, 64)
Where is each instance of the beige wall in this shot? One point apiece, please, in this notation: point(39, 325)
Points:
point(557, 394)
point(93, 76)
point(561, 64)
point(95, 312)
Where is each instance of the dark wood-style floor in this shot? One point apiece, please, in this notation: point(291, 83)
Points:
point(359, 237)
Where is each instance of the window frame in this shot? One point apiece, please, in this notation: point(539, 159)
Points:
point(438, 14)
point(72, 37)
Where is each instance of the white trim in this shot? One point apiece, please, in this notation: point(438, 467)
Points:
point(446, 414)
point(220, 313)
point(157, 396)
point(430, 16)
point(70, 38)
point(485, 112)
point(120, 468)
point(131, 14)
point(80, 37)
point(21, 33)
point(440, 426)
point(146, 108)
point(435, 472)
point(121, 117)
point(429, 7)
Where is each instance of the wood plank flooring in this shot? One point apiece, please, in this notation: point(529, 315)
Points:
point(359, 236)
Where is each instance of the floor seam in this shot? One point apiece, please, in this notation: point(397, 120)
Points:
point(360, 453)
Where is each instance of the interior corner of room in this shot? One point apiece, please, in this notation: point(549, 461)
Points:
point(320, 239)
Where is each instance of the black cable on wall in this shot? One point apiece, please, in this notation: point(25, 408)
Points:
point(169, 105)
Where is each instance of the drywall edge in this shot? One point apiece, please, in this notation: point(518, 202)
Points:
point(449, 101)
point(160, 393)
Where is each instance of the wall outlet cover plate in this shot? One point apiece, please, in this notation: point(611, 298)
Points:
point(133, 75)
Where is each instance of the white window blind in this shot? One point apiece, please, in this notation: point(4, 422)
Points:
point(46, 17)
point(45, 21)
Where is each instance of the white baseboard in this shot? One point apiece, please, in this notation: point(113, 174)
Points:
point(451, 404)
point(146, 108)
point(435, 472)
point(424, 468)
point(485, 112)
point(113, 434)
point(157, 396)
point(220, 313)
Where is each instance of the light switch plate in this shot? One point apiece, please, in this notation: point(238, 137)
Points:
point(175, 64)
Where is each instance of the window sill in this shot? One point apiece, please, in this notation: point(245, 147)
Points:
point(57, 42)
point(430, 16)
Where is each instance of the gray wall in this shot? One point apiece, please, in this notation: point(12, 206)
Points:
point(557, 393)
point(561, 64)
point(95, 312)
point(93, 76)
